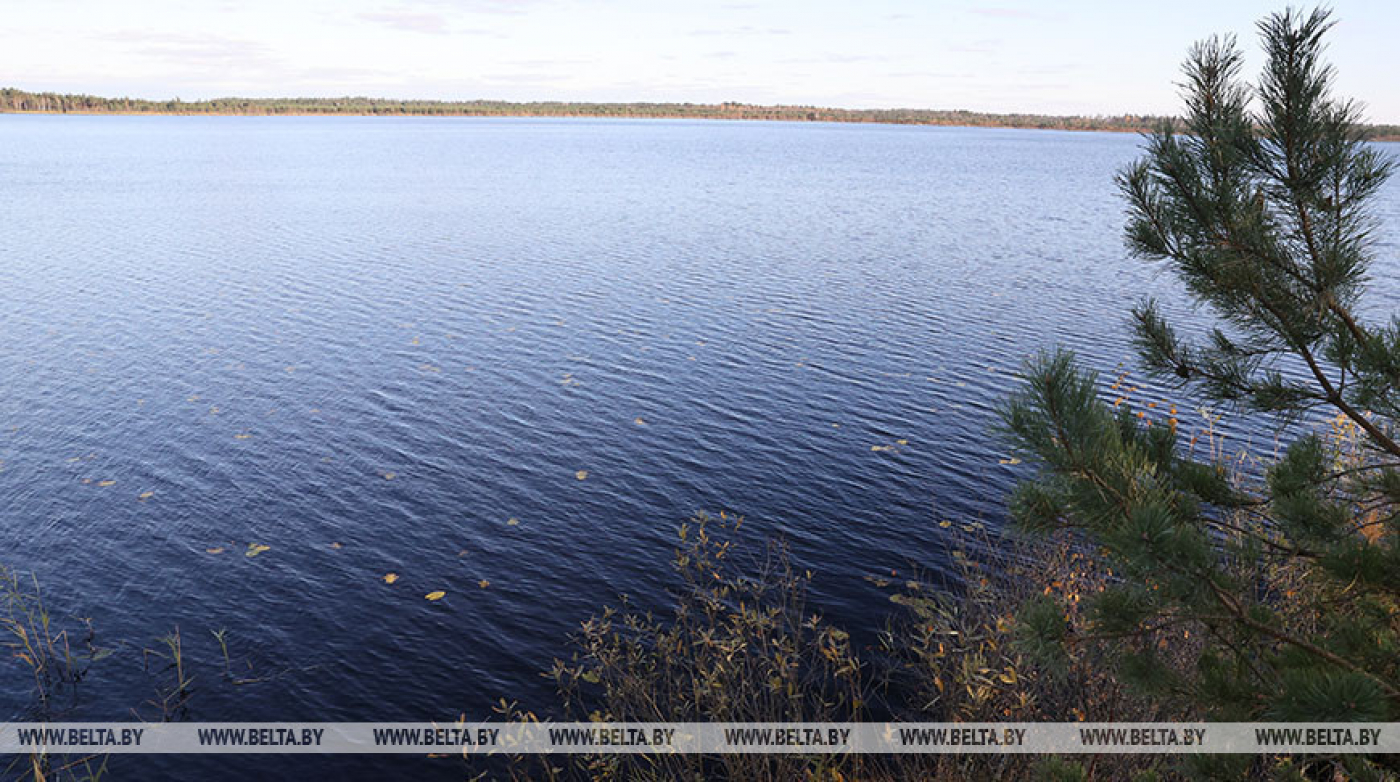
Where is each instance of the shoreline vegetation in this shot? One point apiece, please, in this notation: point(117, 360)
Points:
point(15, 101)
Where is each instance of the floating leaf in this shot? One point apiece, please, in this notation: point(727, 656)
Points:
point(901, 442)
point(1012, 460)
point(106, 483)
point(512, 521)
point(390, 578)
point(145, 495)
point(242, 436)
point(389, 476)
point(337, 546)
point(255, 549)
point(214, 550)
point(483, 583)
point(581, 475)
point(640, 422)
point(435, 596)
point(882, 448)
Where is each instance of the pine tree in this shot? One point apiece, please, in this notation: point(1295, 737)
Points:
point(1259, 201)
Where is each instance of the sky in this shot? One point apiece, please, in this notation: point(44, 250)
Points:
point(1065, 57)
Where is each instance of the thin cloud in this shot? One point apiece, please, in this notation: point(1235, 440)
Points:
point(1014, 13)
point(199, 50)
point(835, 58)
point(505, 7)
point(745, 30)
point(408, 21)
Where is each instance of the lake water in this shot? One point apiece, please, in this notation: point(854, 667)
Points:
point(398, 335)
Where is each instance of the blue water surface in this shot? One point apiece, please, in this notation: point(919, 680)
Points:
point(370, 344)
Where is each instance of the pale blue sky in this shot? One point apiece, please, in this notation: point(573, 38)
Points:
point(1075, 56)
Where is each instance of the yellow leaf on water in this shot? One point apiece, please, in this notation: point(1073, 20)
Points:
point(389, 476)
point(337, 546)
point(105, 483)
point(438, 595)
point(145, 495)
point(639, 422)
point(901, 442)
point(255, 549)
point(1012, 460)
point(214, 550)
point(390, 578)
point(242, 436)
point(462, 553)
point(581, 475)
point(512, 521)
point(483, 583)
point(882, 448)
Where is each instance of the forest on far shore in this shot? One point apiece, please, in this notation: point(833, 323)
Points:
point(14, 100)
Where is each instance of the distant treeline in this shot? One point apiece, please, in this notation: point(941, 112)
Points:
point(13, 100)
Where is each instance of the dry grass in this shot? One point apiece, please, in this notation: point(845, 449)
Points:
point(742, 645)
point(57, 659)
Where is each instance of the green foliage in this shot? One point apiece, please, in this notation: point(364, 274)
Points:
point(1041, 633)
point(1292, 581)
point(1060, 770)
